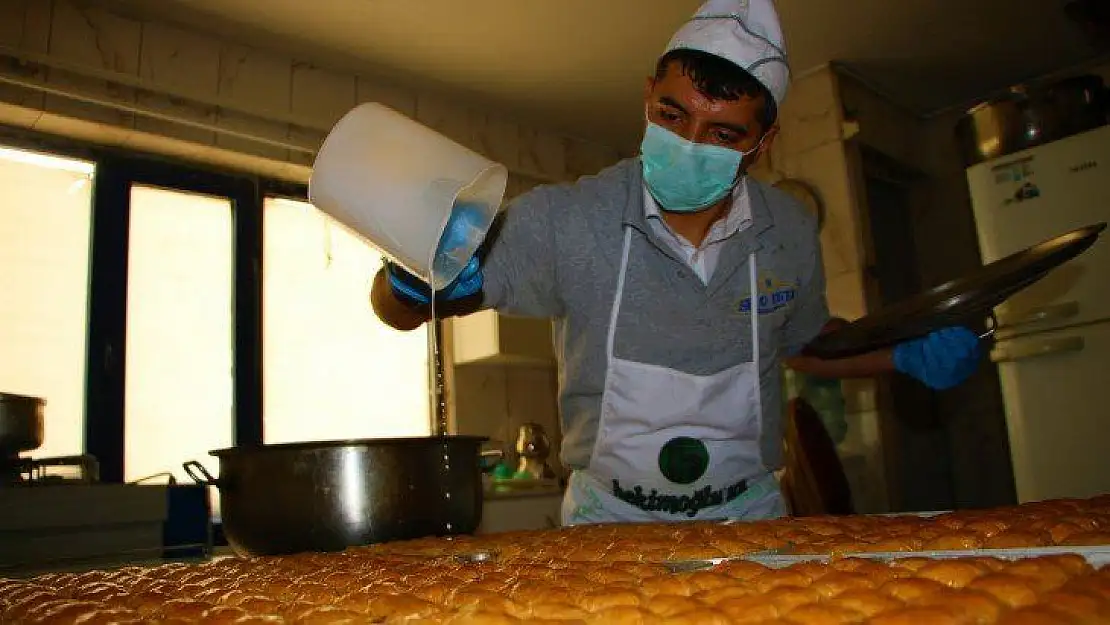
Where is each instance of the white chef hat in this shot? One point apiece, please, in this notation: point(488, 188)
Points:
point(746, 32)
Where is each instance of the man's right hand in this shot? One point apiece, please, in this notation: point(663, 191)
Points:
point(463, 227)
point(414, 291)
point(401, 300)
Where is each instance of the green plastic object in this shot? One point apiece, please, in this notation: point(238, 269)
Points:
point(502, 472)
point(522, 475)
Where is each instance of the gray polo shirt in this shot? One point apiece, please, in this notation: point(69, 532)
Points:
point(556, 253)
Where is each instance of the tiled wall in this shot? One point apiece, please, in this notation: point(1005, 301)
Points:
point(811, 147)
point(289, 103)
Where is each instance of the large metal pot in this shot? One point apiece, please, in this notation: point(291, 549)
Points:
point(21, 423)
point(327, 496)
point(1031, 115)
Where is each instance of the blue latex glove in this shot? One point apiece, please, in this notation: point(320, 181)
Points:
point(463, 228)
point(415, 291)
point(942, 359)
point(458, 233)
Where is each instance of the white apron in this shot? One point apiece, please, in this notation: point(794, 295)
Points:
point(672, 446)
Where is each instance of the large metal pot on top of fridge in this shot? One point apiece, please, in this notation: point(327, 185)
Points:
point(326, 496)
point(1030, 115)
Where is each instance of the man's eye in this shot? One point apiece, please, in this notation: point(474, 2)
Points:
point(725, 136)
point(670, 116)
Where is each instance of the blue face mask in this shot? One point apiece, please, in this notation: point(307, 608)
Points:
point(683, 176)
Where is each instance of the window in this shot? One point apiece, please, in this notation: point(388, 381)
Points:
point(45, 224)
point(331, 369)
point(133, 306)
point(178, 393)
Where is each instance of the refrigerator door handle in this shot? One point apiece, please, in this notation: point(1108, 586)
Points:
point(1038, 315)
point(1034, 349)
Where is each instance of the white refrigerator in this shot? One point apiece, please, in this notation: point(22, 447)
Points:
point(1053, 344)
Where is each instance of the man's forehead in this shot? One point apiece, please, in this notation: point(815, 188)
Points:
point(683, 91)
point(678, 76)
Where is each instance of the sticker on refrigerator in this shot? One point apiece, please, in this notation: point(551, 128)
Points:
point(1020, 173)
point(1013, 171)
point(1027, 191)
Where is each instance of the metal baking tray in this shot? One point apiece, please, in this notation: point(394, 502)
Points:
point(966, 301)
point(924, 515)
point(1097, 556)
point(476, 556)
point(687, 566)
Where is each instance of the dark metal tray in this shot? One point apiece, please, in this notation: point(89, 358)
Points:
point(1097, 556)
point(966, 301)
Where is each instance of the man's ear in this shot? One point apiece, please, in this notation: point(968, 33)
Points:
point(768, 140)
point(649, 86)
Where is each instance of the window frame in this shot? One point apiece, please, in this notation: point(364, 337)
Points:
point(117, 170)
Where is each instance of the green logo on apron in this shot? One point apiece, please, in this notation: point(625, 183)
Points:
point(683, 460)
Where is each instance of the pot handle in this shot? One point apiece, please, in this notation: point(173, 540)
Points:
point(170, 481)
point(199, 474)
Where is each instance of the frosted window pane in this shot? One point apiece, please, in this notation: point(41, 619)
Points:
point(331, 369)
point(179, 331)
point(45, 219)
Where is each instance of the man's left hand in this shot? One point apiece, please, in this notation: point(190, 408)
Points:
point(941, 360)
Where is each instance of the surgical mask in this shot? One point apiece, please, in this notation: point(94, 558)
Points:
point(684, 176)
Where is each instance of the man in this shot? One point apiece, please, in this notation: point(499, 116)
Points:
point(677, 285)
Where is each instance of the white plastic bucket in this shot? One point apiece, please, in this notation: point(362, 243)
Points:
point(395, 182)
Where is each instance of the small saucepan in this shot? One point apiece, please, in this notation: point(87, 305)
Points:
point(21, 423)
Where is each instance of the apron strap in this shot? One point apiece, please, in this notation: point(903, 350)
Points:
point(617, 296)
point(753, 280)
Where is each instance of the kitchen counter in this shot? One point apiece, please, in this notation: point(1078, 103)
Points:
point(521, 507)
point(78, 526)
point(495, 493)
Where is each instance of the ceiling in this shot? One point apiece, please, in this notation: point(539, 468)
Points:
point(579, 65)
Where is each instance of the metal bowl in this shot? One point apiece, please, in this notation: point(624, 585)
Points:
point(327, 496)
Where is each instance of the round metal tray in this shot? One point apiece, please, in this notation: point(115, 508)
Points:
point(968, 300)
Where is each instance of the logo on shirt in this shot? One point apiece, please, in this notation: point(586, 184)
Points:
point(773, 295)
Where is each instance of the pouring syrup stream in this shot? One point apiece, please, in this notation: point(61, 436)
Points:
point(439, 407)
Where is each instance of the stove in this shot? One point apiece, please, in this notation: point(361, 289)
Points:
point(21, 471)
point(58, 515)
